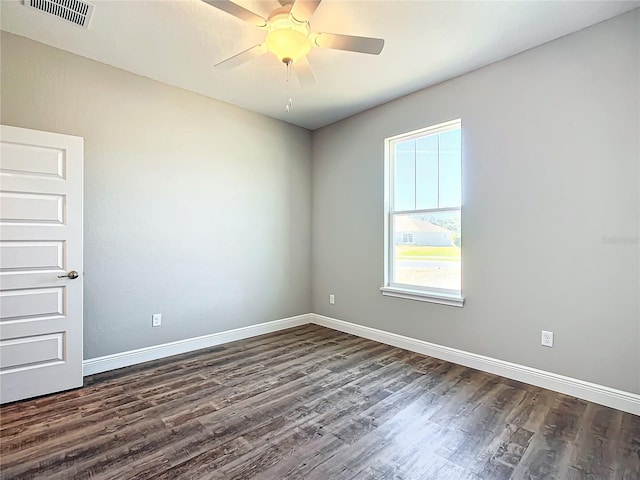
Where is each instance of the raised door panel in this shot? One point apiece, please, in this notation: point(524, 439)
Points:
point(26, 208)
point(33, 256)
point(30, 352)
point(31, 160)
point(32, 303)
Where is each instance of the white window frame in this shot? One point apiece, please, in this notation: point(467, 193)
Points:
point(411, 292)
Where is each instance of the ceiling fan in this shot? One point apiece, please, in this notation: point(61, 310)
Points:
point(289, 36)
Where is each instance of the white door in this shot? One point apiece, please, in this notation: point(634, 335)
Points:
point(40, 243)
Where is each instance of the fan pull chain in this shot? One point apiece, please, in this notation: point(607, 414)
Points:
point(290, 102)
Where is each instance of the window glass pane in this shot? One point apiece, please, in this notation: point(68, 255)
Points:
point(432, 258)
point(427, 172)
point(405, 176)
point(450, 169)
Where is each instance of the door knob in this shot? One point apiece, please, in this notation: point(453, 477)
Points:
point(71, 275)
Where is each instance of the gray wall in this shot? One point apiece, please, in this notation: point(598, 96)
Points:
point(550, 210)
point(202, 211)
point(194, 208)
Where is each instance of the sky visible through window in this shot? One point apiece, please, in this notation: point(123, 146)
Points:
point(424, 181)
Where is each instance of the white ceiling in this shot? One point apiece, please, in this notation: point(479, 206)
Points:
point(427, 42)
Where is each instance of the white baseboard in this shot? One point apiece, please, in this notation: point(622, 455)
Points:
point(140, 355)
point(610, 397)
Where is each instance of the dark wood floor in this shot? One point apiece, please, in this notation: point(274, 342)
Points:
point(314, 404)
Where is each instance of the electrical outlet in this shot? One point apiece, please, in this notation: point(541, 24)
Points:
point(332, 299)
point(547, 339)
point(156, 320)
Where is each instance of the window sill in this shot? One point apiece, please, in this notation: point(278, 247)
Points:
point(441, 298)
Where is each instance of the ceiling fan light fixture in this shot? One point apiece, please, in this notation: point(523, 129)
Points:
point(288, 45)
point(287, 40)
point(289, 37)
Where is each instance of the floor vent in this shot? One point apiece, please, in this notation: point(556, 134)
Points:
point(74, 11)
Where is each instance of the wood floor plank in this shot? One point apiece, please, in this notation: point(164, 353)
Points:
point(143, 400)
point(315, 404)
point(245, 417)
point(594, 459)
point(283, 445)
point(233, 356)
point(627, 442)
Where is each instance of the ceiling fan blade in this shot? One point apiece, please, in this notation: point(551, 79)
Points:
point(372, 46)
point(242, 57)
point(302, 10)
point(304, 72)
point(238, 11)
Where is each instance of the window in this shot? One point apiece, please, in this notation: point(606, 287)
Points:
point(423, 228)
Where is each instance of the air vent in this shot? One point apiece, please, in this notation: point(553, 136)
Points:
point(74, 11)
